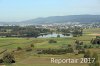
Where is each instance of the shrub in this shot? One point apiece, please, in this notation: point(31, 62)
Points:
point(85, 46)
point(58, 36)
point(87, 54)
point(97, 46)
point(96, 62)
point(55, 51)
point(8, 58)
point(52, 41)
point(90, 46)
point(69, 45)
point(32, 45)
point(77, 42)
point(70, 50)
point(19, 48)
point(1, 61)
point(95, 55)
point(81, 43)
point(81, 51)
point(28, 49)
point(74, 35)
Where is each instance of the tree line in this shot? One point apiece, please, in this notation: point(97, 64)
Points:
point(18, 31)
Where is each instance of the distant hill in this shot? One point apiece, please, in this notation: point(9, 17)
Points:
point(61, 19)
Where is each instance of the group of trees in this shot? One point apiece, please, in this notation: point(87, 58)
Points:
point(32, 31)
point(75, 31)
point(18, 31)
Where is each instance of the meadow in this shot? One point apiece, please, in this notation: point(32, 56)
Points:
point(24, 58)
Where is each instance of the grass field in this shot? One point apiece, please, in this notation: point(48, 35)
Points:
point(31, 59)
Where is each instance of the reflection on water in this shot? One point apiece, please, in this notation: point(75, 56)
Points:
point(53, 35)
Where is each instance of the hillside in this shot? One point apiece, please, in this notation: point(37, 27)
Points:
point(59, 19)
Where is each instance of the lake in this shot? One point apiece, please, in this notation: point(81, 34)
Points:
point(53, 35)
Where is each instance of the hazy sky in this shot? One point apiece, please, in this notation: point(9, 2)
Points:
point(18, 10)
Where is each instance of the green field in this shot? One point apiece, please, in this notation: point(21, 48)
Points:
point(24, 58)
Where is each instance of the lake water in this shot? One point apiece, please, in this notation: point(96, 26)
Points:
point(53, 35)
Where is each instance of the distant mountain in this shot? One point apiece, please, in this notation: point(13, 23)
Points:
point(60, 19)
point(64, 19)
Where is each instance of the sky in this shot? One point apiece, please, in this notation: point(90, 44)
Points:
point(20, 10)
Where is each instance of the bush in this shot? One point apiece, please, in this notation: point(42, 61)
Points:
point(95, 55)
point(97, 46)
point(52, 41)
point(56, 51)
point(81, 43)
point(69, 45)
point(58, 36)
point(8, 58)
point(90, 46)
point(28, 49)
point(19, 48)
point(96, 61)
point(81, 51)
point(87, 54)
point(86, 46)
point(70, 50)
point(74, 35)
point(77, 42)
point(1, 61)
point(32, 45)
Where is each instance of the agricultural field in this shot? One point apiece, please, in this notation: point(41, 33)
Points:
point(31, 58)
